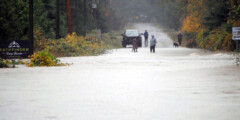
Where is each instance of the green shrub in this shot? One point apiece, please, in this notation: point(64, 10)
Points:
point(73, 45)
point(4, 63)
point(113, 39)
point(217, 39)
point(43, 58)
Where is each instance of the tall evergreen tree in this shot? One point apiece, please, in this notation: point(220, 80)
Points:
point(13, 20)
point(216, 13)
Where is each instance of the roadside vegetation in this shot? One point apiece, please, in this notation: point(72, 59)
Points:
point(75, 45)
point(205, 24)
point(43, 58)
point(47, 50)
point(5, 63)
point(72, 29)
point(72, 45)
point(53, 37)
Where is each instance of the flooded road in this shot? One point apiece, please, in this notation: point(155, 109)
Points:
point(163, 40)
point(172, 84)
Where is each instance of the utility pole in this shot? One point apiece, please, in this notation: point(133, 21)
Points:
point(106, 3)
point(69, 17)
point(94, 7)
point(84, 17)
point(30, 26)
point(57, 20)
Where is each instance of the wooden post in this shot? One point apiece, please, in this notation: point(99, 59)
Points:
point(77, 17)
point(237, 53)
point(84, 17)
point(106, 3)
point(69, 17)
point(57, 20)
point(30, 26)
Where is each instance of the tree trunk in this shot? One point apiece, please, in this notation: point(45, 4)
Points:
point(69, 17)
point(77, 17)
point(85, 17)
point(57, 20)
point(30, 28)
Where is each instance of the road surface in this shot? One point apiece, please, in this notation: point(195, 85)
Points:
point(172, 84)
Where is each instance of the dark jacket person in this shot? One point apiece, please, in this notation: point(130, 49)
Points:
point(180, 39)
point(146, 38)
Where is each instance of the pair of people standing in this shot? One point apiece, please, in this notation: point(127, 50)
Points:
point(135, 44)
point(153, 41)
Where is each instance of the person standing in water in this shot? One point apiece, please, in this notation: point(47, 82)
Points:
point(180, 39)
point(153, 43)
point(135, 45)
point(146, 38)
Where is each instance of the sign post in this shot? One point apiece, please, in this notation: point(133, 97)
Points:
point(16, 47)
point(236, 37)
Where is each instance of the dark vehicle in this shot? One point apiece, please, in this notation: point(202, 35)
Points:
point(128, 37)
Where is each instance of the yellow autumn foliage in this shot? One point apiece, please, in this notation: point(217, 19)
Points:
point(237, 23)
point(4, 63)
point(43, 58)
point(192, 23)
point(73, 45)
point(215, 35)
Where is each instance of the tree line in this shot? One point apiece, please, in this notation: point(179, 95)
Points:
point(205, 23)
point(55, 18)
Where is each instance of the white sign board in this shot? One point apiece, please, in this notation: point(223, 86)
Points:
point(236, 33)
point(94, 6)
